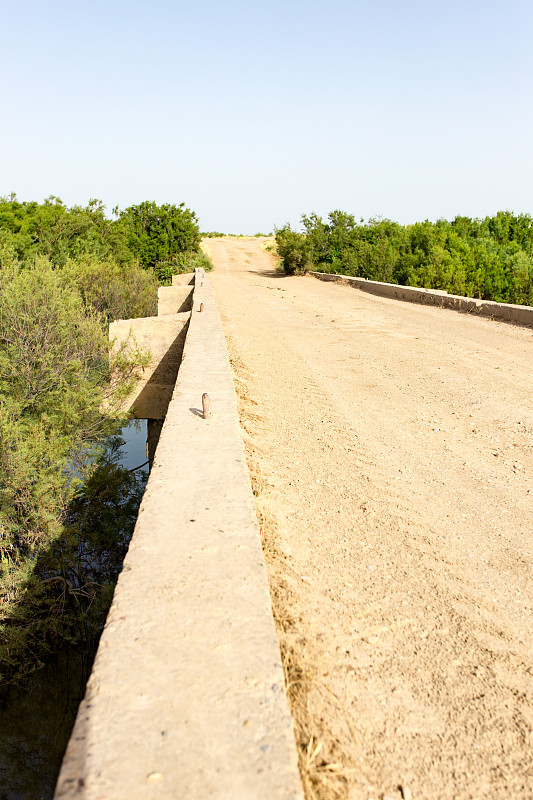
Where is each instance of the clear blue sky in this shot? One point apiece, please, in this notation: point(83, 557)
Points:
point(254, 113)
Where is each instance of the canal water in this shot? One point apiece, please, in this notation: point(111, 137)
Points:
point(36, 720)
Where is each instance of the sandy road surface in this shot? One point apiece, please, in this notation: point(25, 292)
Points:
point(394, 449)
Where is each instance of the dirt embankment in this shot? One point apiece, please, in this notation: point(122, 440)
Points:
point(392, 452)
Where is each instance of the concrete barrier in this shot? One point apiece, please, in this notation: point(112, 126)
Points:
point(186, 698)
point(164, 339)
point(522, 315)
point(174, 299)
point(184, 279)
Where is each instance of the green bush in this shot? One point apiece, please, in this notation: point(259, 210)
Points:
point(67, 509)
point(293, 250)
point(180, 264)
point(491, 259)
point(54, 375)
point(118, 291)
point(145, 234)
point(158, 234)
point(60, 233)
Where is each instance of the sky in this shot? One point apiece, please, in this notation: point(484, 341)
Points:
point(255, 113)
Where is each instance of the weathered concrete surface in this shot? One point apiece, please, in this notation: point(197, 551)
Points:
point(174, 299)
point(509, 312)
point(185, 279)
point(186, 698)
point(164, 338)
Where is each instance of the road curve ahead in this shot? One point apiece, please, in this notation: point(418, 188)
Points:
point(392, 446)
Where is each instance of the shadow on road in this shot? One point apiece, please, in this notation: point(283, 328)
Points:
point(268, 273)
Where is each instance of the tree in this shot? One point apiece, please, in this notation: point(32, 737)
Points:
point(54, 370)
point(117, 290)
point(53, 230)
point(157, 234)
point(293, 250)
point(491, 258)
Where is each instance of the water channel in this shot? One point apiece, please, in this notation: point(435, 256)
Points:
point(36, 720)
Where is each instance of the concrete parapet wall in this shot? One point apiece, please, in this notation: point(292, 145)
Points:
point(434, 297)
point(186, 698)
point(174, 299)
point(164, 338)
point(185, 279)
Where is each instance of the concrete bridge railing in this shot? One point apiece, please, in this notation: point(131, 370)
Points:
point(186, 698)
point(522, 315)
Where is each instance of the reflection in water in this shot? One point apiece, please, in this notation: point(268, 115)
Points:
point(36, 720)
point(36, 725)
point(134, 448)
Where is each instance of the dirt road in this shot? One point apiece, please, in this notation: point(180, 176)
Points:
point(392, 452)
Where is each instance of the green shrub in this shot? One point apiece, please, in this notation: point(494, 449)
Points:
point(118, 291)
point(293, 250)
point(180, 264)
point(491, 259)
point(60, 233)
point(54, 374)
point(67, 509)
point(158, 234)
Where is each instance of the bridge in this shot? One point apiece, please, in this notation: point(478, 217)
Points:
point(186, 697)
point(392, 441)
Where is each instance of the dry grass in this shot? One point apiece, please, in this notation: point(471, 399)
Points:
point(324, 762)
